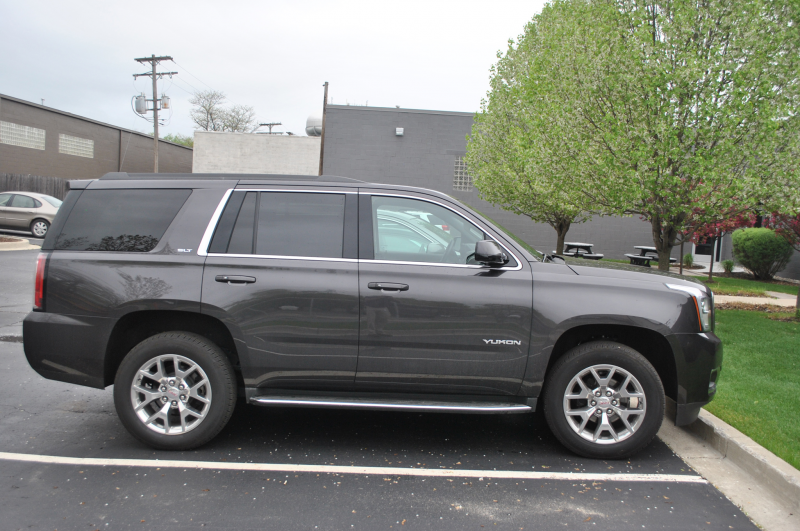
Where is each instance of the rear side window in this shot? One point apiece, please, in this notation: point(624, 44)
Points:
point(304, 224)
point(23, 201)
point(120, 220)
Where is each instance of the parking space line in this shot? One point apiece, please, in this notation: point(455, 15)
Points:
point(340, 469)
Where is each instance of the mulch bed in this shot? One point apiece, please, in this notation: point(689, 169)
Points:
point(10, 239)
point(766, 308)
point(748, 276)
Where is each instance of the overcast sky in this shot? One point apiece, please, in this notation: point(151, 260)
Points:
point(270, 54)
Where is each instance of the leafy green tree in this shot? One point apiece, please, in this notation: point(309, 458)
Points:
point(678, 111)
point(514, 153)
point(177, 138)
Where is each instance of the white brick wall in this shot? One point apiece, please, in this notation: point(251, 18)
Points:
point(254, 153)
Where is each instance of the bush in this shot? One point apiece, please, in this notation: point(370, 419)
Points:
point(761, 251)
point(688, 260)
point(727, 265)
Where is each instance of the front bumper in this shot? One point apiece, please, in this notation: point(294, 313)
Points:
point(698, 361)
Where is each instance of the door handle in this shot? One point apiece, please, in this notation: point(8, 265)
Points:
point(387, 286)
point(235, 279)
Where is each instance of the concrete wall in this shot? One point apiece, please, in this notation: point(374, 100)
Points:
point(255, 153)
point(360, 142)
point(115, 149)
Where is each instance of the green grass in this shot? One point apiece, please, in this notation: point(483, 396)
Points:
point(759, 384)
point(737, 286)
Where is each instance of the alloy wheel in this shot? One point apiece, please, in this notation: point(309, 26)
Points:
point(39, 229)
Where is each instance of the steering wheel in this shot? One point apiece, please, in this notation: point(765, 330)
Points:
point(450, 252)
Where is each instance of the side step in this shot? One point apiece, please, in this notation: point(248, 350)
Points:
point(391, 404)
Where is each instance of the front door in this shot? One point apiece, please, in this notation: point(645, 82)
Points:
point(282, 268)
point(432, 319)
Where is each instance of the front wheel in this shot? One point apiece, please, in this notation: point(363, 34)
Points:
point(175, 391)
point(604, 400)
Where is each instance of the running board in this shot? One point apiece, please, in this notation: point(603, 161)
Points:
point(391, 404)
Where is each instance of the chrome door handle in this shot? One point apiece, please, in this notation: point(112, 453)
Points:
point(235, 279)
point(387, 286)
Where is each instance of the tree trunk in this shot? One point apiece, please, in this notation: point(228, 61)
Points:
point(664, 236)
point(797, 306)
point(562, 227)
point(681, 271)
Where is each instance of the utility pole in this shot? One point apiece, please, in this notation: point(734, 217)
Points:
point(270, 125)
point(322, 137)
point(154, 61)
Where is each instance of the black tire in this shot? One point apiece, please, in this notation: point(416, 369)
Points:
point(575, 362)
point(211, 361)
point(39, 227)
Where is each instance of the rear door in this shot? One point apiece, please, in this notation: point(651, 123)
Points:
point(282, 266)
point(432, 319)
point(20, 211)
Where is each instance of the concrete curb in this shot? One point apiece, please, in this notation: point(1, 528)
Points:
point(780, 478)
point(21, 245)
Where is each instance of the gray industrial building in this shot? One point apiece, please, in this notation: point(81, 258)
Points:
point(39, 140)
point(426, 148)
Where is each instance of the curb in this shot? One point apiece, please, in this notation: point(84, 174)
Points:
point(21, 245)
point(767, 469)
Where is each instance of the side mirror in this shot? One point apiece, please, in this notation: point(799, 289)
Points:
point(490, 253)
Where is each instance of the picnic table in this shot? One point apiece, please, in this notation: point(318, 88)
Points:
point(646, 254)
point(580, 250)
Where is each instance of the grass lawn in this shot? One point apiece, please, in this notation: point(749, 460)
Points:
point(737, 286)
point(759, 385)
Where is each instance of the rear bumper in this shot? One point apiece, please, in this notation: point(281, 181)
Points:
point(67, 348)
point(698, 361)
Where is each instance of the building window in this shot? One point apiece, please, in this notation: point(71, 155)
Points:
point(21, 135)
point(72, 145)
point(462, 182)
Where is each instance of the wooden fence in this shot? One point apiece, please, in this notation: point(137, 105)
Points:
point(53, 186)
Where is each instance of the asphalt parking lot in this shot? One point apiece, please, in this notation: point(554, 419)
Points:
point(318, 469)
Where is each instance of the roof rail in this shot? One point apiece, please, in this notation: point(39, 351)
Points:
point(124, 176)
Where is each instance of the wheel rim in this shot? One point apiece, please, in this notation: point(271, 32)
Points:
point(39, 228)
point(171, 394)
point(604, 404)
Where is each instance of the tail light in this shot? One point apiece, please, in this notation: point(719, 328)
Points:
point(38, 295)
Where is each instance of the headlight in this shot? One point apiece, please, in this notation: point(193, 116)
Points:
point(704, 303)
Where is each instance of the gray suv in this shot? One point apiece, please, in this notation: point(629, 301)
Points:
point(186, 291)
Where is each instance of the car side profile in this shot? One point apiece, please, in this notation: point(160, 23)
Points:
point(186, 291)
point(28, 211)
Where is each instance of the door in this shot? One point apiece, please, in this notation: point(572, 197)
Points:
point(282, 267)
point(20, 211)
point(432, 319)
point(5, 199)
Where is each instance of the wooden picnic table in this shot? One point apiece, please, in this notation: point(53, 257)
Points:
point(646, 254)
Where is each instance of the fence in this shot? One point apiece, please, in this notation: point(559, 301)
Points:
point(53, 186)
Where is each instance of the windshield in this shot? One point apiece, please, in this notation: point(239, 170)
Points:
point(52, 200)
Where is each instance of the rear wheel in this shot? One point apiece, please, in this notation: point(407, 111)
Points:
point(175, 391)
point(39, 227)
point(604, 400)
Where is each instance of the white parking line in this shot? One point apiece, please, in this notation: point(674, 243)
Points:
point(338, 469)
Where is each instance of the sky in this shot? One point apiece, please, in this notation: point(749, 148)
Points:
point(273, 55)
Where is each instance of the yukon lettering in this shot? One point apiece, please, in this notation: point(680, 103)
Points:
point(502, 342)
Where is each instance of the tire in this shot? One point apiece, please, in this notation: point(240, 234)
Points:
point(574, 420)
point(171, 417)
point(39, 227)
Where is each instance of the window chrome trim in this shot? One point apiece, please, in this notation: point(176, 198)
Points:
point(474, 223)
point(202, 248)
point(205, 241)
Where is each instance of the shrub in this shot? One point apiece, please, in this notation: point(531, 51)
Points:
point(727, 265)
point(761, 251)
point(688, 260)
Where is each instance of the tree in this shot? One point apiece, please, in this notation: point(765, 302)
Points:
point(177, 138)
point(686, 106)
point(514, 150)
point(209, 114)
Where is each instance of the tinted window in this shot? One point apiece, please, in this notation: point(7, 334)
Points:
point(23, 201)
point(300, 224)
point(242, 236)
point(120, 220)
point(4, 199)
